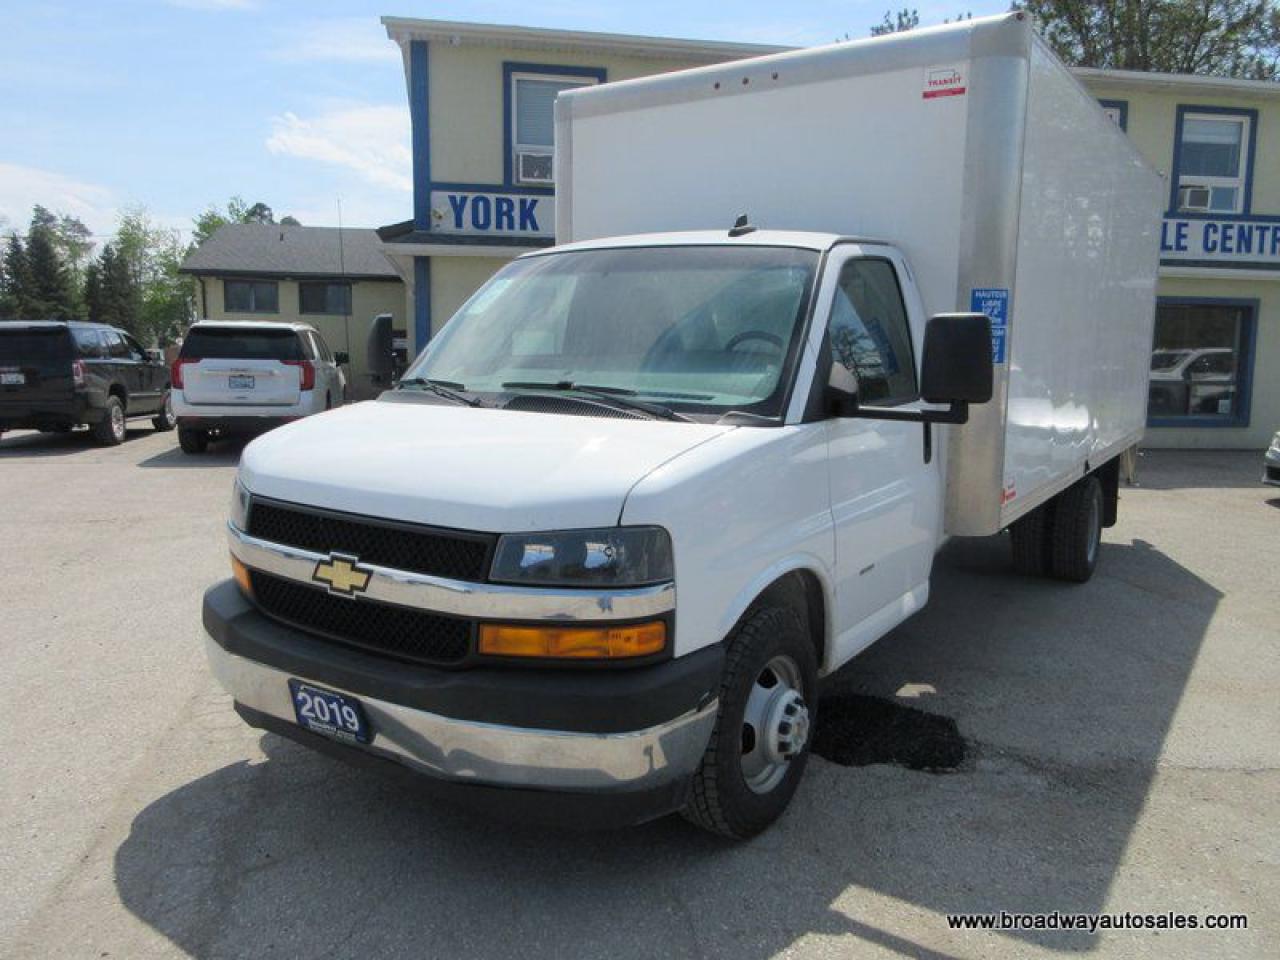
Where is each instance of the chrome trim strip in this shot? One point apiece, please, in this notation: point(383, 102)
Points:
point(492, 753)
point(461, 598)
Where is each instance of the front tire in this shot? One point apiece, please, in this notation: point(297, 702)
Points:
point(165, 421)
point(193, 441)
point(110, 430)
point(1076, 532)
point(760, 745)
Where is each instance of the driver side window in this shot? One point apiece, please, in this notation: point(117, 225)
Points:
point(869, 333)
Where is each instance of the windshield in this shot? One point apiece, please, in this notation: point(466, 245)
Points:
point(1167, 359)
point(699, 329)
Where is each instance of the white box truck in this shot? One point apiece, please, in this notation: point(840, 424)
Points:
point(593, 555)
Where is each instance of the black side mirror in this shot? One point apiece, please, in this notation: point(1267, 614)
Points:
point(341, 358)
point(956, 370)
point(154, 355)
point(957, 364)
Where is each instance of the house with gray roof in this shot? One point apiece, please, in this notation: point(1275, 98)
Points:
point(337, 280)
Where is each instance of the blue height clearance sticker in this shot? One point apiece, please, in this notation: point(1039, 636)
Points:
point(994, 302)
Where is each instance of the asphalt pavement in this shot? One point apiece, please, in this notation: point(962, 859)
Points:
point(1021, 746)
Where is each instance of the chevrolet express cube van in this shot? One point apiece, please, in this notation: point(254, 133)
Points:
point(594, 555)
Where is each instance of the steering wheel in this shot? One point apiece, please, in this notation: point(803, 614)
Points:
point(770, 338)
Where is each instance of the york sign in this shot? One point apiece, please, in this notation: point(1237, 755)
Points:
point(492, 214)
point(1229, 244)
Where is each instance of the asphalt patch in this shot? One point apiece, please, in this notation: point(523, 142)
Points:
point(857, 731)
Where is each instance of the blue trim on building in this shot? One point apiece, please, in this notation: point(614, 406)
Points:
point(420, 117)
point(1244, 363)
point(554, 69)
point(1123, 107)
point(1175, 176)
point(421, 302)
point(493, 188)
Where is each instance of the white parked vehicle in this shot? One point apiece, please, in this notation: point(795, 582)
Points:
point(236, 377)
point(645, 489)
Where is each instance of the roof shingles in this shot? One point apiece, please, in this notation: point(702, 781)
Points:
point(275, 250)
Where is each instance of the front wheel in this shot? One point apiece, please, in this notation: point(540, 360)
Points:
point(760, 745)
point(165, 420)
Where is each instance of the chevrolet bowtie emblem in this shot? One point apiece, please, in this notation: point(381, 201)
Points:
point(342, 575)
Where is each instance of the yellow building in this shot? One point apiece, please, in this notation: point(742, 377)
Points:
point(480, 98)
point(335, 280)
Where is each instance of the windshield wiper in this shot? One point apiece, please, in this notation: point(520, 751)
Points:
point(617, 396)
point(442, 388)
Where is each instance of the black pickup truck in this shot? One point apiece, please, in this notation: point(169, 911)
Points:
point(56, 375)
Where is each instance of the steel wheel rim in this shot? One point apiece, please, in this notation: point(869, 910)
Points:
point(775, 724)
point(1095, 529)
point(117, 421)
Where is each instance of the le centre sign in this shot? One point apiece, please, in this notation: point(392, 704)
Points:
point(1230, 244)
point(486, 213)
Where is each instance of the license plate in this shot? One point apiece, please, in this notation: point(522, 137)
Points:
point(13, 378)
point(240, 383)
point(333, 714)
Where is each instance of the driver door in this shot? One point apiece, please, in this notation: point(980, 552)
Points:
point(885, 496)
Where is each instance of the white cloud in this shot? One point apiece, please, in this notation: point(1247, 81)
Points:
point(21, 188)
point(370, 139)
point(347, 39)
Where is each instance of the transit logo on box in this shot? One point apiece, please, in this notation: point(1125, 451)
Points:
point(994, 302)
point(943, 82)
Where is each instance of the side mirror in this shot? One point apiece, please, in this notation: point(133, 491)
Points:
point(956, 370)
point(341, 358)
point(957, 365)
point(154, 355)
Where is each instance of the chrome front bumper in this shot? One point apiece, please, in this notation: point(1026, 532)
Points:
point(493, 754)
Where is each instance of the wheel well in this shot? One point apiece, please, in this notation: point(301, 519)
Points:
point(1109, 475)
point(801, 591)
point(116, 390)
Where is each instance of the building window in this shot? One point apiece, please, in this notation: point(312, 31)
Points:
point(531, 98)
point(1117, 112)
point(1213, 160)
point(1201, 363)
point(328, 298)
point(251, 296)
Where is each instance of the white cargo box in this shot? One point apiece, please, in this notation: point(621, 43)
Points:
point(971, 148)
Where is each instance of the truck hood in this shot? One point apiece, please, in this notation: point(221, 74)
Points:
point(498, 471)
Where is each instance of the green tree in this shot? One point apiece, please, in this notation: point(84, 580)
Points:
point(15, 288)
point(1228, 38)
point(53, 295)
point(118, 297)
point(93, 290)
point(161, 298)
point(904, 20)
point(236, 211)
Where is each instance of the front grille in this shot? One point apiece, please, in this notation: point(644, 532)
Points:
point(398, 632)
point(385, 543)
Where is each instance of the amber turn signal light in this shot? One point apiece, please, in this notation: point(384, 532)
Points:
point(573, 643)
point(241, 573)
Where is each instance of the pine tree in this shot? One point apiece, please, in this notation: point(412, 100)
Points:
point(119, 298)
point(52, 295)
point(93, 291)
point(15, 295)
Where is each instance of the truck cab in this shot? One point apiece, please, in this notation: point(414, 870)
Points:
point(619, 518)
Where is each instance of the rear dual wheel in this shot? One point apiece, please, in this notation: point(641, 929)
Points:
point(1062, 538)
point(760, 745)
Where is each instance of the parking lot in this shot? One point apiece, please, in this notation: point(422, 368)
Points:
point(1024, 746)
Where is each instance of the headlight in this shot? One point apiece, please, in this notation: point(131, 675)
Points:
point(613, 556)
point(240, 506)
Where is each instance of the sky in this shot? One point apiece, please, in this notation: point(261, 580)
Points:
point(179, 104)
